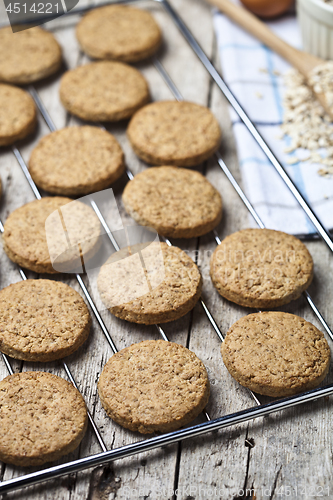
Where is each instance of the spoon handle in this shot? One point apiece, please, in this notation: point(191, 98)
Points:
point(301, 60)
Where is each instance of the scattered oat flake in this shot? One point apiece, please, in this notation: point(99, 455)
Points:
point(268, 72)
point(306, 158)
point(259, 95)
point(321, 79)
point(292, 161)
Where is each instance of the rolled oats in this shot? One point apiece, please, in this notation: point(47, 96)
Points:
point(305, 121)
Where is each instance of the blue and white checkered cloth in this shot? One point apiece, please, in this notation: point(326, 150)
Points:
point(255, 75)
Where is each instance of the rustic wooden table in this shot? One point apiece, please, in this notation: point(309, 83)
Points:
point(285, 454)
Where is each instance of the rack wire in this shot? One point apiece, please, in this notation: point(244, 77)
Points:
point(48, 120)
point(235, 418)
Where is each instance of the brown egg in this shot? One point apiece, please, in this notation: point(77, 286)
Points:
point(267, 8)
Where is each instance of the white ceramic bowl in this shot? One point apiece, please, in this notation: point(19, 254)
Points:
point(316, 22)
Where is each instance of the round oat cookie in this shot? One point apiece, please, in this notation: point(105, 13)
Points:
point(174, 133)
point(42, 418)
point(103, 91)
point(176, 202)
point(27, 244)
point(276, 354)
point(166, 289)
point(42, 320)
point(28, 56)
point(154, 386)
point(120, 33)
point(17, 114)
point(76, 161)
point(261, 268)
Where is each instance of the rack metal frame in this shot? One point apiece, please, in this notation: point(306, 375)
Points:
point(232, 419)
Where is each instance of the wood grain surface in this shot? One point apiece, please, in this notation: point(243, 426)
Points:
point(290, 451)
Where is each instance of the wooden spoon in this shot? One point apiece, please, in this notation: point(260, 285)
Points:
point(304, 62)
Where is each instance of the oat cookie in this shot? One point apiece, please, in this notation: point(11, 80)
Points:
point(76, 161)
point(176, 202)
point(261, 268)
point(276, 354)
point(25, 240)
point(17, 114)
point(103, 91)
point(165, 289)
point(154, 386)
point(120, 33)
point(42, 320)
point(42, 418)
point(28, 56)
point(174, 133)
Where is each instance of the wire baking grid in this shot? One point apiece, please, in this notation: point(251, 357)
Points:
point(259, 410)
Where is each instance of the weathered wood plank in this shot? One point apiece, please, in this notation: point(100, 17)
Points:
point(220, 462)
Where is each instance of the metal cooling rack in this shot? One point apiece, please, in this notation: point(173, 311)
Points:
point(259, 410)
